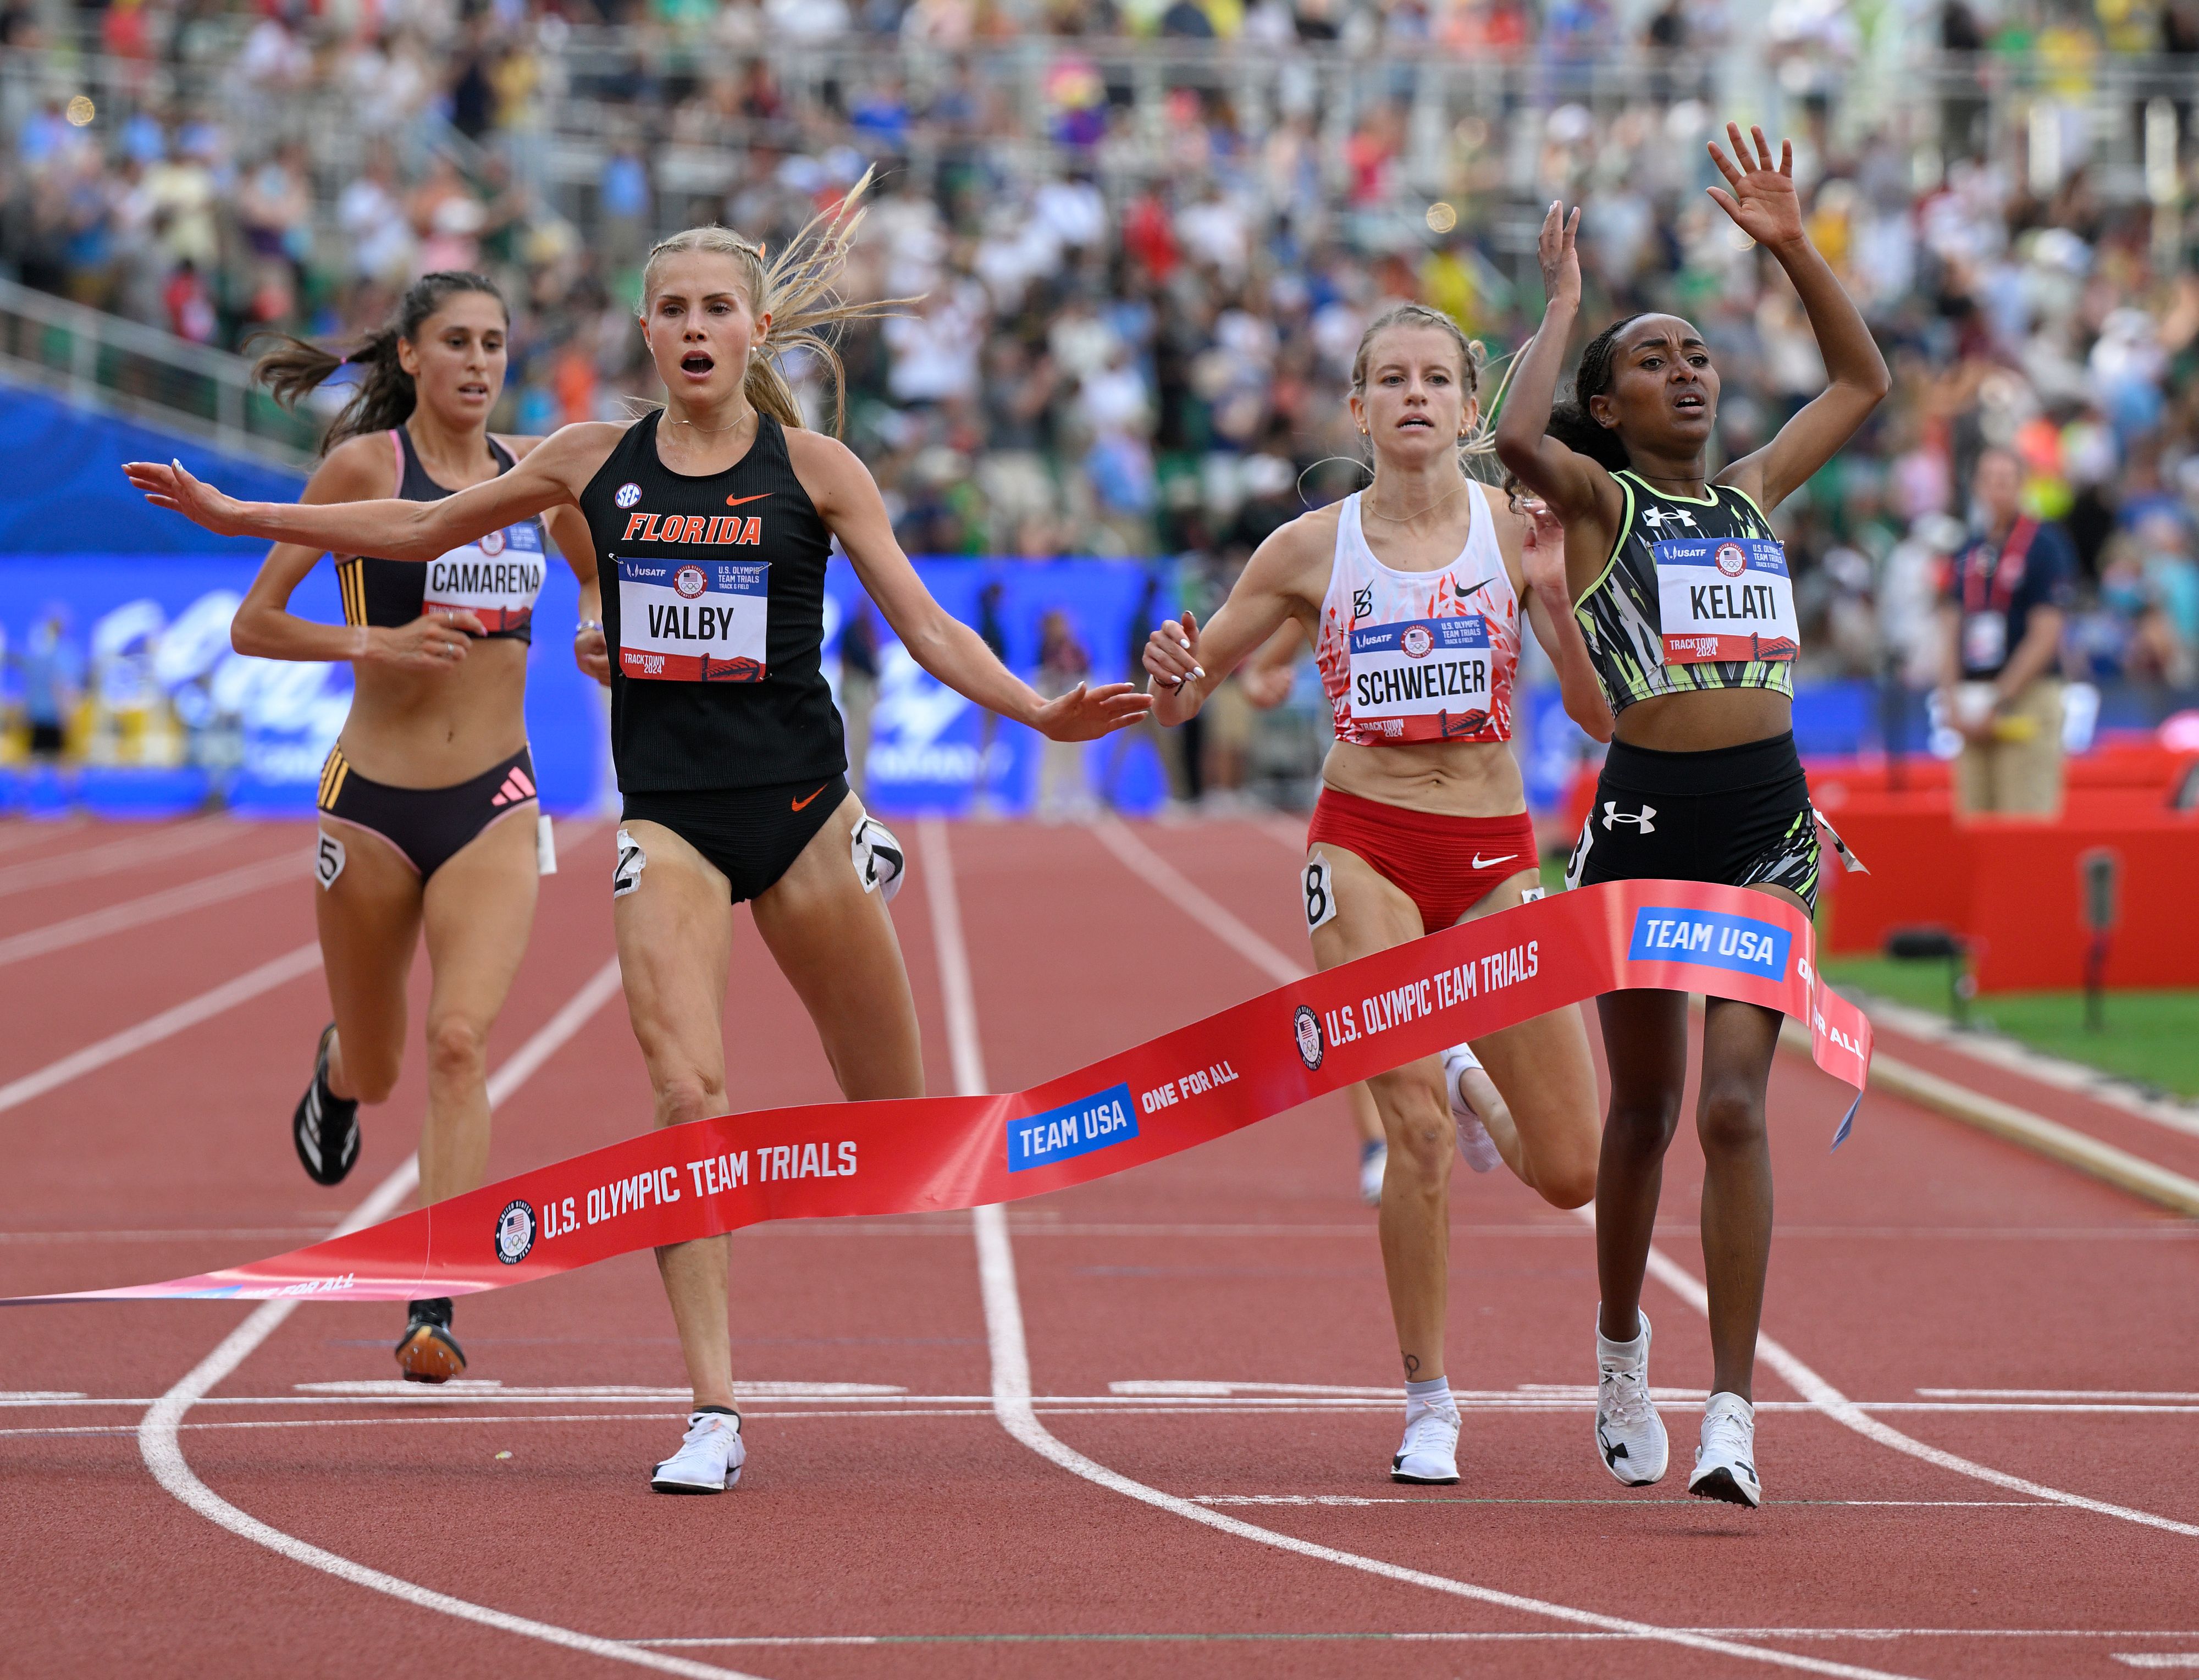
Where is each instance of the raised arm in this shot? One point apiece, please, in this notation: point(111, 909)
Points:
point(552, 475)
point(1187, 663)
point(267, 628)
point(1764, 206)
point(847, 498)
point(1573, 488)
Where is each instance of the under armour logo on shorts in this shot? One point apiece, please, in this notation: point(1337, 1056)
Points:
point(1612, 814)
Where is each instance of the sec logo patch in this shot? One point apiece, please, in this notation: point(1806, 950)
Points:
point(688, 580)
point(628, 495)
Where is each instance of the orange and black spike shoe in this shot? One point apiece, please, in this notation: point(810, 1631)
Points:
point(427, 1352)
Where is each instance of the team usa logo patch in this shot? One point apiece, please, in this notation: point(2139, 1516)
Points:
point(515, 1232)
point(1416, 642)
point(629, 493)
point(1306, 1025)
point(1730, 560)
point(491, 543)
point(689, 581)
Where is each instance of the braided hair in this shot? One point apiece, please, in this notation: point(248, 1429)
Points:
point(386, 396)
point(1571, 424)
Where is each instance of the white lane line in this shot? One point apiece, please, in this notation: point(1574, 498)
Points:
point(2054, 1394)
point(2185, 1660)
point(162, 1450)
point(1010, 1358)
point(1799, 1377)
point(17, 832)
point(1171, 883)
point(255, 1234)
point(1443, 1637)
point(137, 913)
point(192, 835)
point(167, 1024)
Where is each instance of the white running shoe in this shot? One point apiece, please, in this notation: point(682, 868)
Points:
point(709, 1459)
point(1628, 1433)
point(1725, 1463)
point(1373, 1162)
point(1475, 1147)
point(1429, 1453)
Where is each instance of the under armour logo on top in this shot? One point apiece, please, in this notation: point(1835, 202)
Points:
point(1654, 517)
point(1612, 814)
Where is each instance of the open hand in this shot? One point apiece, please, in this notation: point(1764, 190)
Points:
point(170, 485)
point(1557, 250)
point(1763, 203)
point(1085, 713)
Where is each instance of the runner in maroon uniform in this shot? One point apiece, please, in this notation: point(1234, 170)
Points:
point(715, 517)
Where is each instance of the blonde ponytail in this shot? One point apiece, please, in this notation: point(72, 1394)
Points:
point(796, 291)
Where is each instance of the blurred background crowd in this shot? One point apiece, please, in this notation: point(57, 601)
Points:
point(1146, 233)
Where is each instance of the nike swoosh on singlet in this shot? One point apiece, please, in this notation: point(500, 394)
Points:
point(735, 501)
point(799, 803)
point(1479, 861)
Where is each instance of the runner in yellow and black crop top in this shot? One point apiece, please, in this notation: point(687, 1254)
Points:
point(429, 818)
point(1681, 592)
point(719, 515)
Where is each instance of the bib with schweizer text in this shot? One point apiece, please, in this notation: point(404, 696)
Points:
point(693, 620)
point(1726, 598)
point(1422, 679)
point(496, 578)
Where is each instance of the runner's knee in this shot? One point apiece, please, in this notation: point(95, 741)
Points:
point(457, 1048)
point(684, 1097)
point(1730, 1120)
point(1641, 1123)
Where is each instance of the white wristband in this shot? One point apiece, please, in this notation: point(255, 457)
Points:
point(586, 625)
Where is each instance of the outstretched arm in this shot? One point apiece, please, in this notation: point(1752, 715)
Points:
point(847, 498)
point(1187, 663)
point(554, 474)
point(1764, 205)
point(265, 627)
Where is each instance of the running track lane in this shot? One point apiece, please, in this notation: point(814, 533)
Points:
point(941, 1526)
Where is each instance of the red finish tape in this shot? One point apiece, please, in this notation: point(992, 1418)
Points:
point(1217, 1075)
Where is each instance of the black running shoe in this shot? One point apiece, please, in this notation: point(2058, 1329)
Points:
point(427, 1352)
point(325, 1128)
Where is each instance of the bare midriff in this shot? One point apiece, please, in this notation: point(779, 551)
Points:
point(432, 729)
point(1705, 719)
point(1452, 779)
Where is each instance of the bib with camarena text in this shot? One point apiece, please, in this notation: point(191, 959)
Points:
point(496, 578)
point(693, 620)
point(1725, 598)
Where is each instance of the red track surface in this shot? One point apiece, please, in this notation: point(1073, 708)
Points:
point(908, 1532)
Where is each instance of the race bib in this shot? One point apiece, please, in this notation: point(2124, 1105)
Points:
point(1984, 641)
point(1725, 598)
point(496, 579)
point(693, 620)
point(1422, 679)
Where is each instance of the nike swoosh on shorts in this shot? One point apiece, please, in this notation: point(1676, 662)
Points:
point(1479, 861)
point(799, 803)
point(735, 501)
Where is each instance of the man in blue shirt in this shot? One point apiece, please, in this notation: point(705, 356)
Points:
point(2009, 590)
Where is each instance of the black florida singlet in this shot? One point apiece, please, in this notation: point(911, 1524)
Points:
point(713, 607)
point(495, 577)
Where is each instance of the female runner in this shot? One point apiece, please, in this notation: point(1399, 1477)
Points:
point(1421, 821)
point(432, 758)
point(1702, 783)
point(728, 749)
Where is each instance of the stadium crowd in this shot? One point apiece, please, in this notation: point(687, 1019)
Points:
point(1150, 360)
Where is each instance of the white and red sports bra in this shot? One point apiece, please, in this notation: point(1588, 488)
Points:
point(1409, 656)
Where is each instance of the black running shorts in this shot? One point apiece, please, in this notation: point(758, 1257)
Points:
point(1740, 816)
point(752, 835)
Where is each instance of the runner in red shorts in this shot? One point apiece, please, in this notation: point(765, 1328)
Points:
point(1411, 594)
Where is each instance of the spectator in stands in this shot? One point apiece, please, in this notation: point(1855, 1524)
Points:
point(2009, 591)
point(859, 686)
point(52, 673)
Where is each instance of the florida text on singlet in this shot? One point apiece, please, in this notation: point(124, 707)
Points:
point(713, 607)
point(496, 577)
point(1695, 596)
point(1409, 657)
